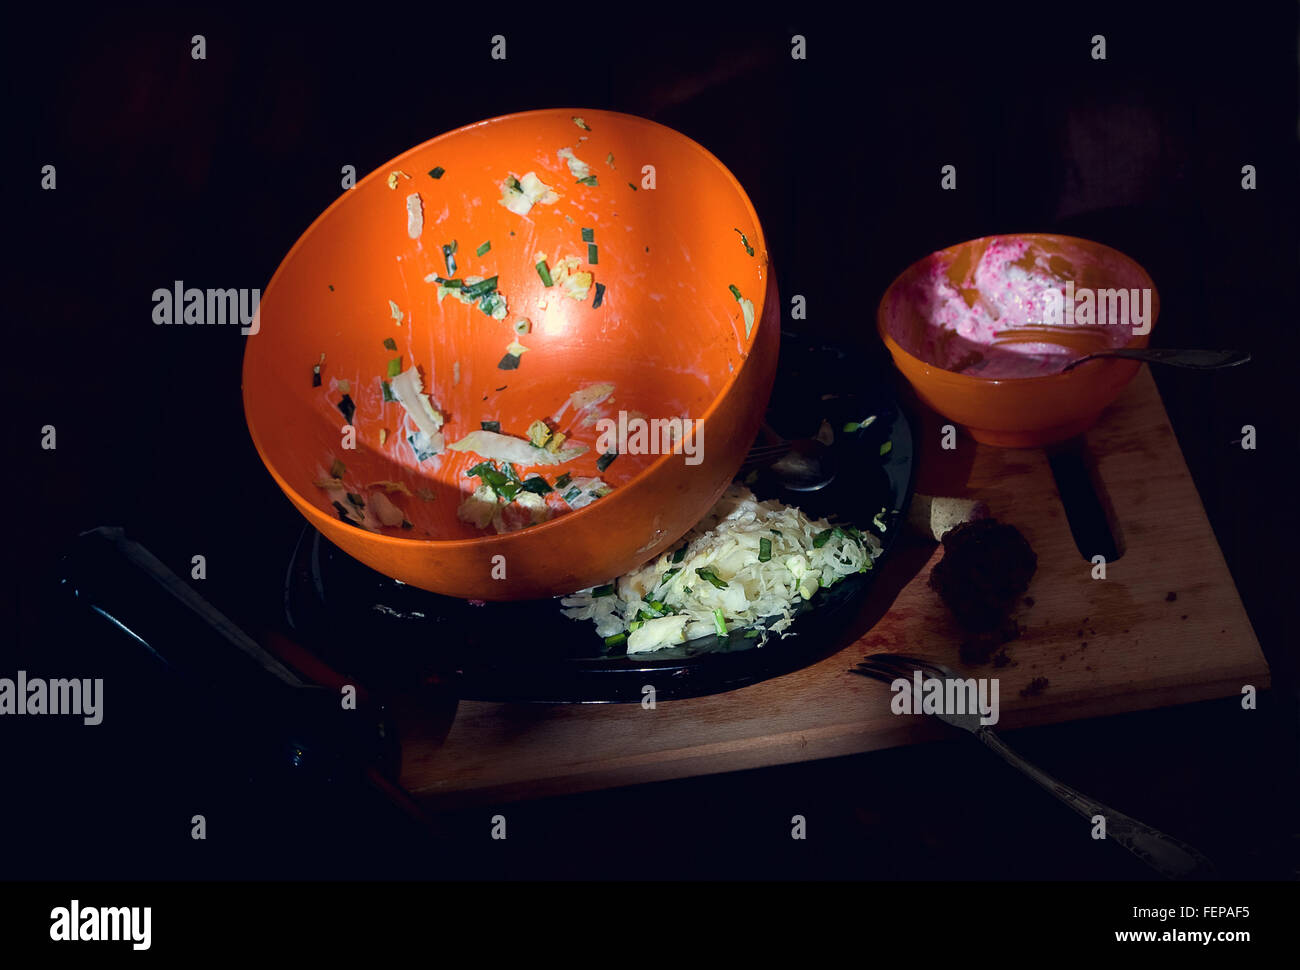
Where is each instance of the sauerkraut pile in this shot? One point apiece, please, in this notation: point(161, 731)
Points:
point(745, 563)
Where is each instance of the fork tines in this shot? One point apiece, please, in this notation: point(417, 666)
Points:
point(888, 667)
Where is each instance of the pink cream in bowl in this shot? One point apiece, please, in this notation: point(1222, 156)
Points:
point(1007, 283)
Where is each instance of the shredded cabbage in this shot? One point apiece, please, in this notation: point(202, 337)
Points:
point(501, 447)
point(727, 545)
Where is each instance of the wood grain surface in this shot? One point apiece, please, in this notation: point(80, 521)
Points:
point(1105, 646)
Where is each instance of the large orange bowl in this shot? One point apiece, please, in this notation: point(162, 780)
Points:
point(1015, 412)
point(672, 231)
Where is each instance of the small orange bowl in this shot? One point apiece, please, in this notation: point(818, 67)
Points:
point(1012, 412)
point(671, 232)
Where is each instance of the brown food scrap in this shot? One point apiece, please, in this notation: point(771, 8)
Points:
point(978, 648)
point(986, 567)
point(1036, 687)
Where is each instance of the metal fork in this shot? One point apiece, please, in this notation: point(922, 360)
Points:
point(1170, 857)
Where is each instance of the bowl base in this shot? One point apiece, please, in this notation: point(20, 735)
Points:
point(1036, 438)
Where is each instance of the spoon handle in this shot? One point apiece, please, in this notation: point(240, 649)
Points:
point(1194, 359)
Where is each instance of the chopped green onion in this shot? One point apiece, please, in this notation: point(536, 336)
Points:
point(523, 325)
point(491, 303)
point(337, 469)
point(537, 485)
point(886, 447)
point(668, 575)
point(490, 426)
point(420, 444)
point(511, 474)
point(563, 480)
point(581, 123)
point(394, 367)
point(606, 590)
point(631, 186)
point(437, 171)
point(481, 287)
point(545, 273)
point(720, 622)
point(600, 296)
point(588, 235)
point(615, 640)
point(751, 634)
point(734, 292)
point(571, 494)
point(588, 180)
point(776, 533)
point(509, 362)
point(344, 514)
point(390, 343)
point(355, 499)
point(489, 474)
point(348, 408)
point(679, 555)
point(635, 625)
point(315, 376)
point(483, 248)
point(449, 284)
point(389, 396)
point(592, 254)
point(745, 242)
point(711, 576)
point(821, 538)
point(605, 460)
point(407, 525)
point(447, 251)
point(513, 183)
point(764, 549)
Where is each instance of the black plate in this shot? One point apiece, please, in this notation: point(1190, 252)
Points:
point(387, 633)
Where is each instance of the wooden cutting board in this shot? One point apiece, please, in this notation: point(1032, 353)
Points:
point(1105, 646)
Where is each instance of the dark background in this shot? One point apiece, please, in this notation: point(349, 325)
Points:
point(208, 171)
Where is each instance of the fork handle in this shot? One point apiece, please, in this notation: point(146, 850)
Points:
point(1170, 857)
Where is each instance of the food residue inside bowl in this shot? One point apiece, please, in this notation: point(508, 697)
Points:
point(978, 314)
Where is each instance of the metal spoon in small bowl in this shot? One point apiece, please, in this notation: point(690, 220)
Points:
point(1084, 339)
point(1193, 359)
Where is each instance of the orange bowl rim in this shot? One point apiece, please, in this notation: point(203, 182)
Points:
point(971, 380)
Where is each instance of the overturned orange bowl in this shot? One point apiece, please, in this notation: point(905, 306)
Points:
point(672, 240)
